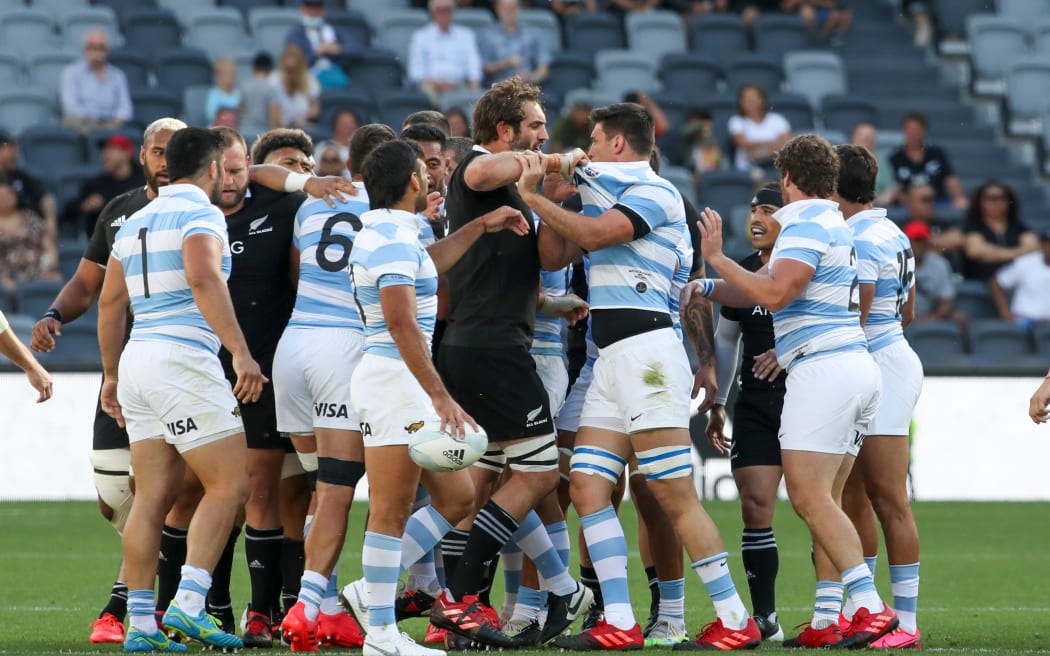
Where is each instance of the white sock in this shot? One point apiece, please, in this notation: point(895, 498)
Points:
point(714, 572)
point(193, 589)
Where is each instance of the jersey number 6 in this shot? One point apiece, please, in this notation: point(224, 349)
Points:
point(329, 238)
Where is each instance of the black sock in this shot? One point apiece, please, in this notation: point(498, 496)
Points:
point(492, 529)
point(452, 546)
point(219, 594)
point(169, 568)
point(118, 601)
point(486, 583)
point(262, 550)
point(589, 578)
point(654, 589)
point(293, 559)
point(761, 562)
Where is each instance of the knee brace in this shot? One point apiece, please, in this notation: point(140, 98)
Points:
point(595, 461)
point(308, 461)
point(494, 459)
point(666, 462)
point(335, 471)
point(292, 466)
point(112, 472)
point(564, 462)
point(536, 454)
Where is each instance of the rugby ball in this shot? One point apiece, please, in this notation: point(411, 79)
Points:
point(432, 449)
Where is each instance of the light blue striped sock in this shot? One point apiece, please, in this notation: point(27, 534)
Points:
point(330, 601)
point(312, 589)
point(672, 599)
point(530, 601)
point(827, 605)
point(142, 610)
point(512, 560)
point(381, 559)
point(608, 548)
point(193, 589)
point(714, 572)
point(533, 540)
point(423, 532)
point(871, 561)
point(861, 588)
point(559, 534)
point(904, 580)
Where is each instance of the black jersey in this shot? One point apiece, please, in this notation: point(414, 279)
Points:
point(493, 288)
point(260, 284)
point(113, 215)
point(756, 329)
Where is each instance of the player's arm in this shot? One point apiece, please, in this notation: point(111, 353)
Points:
point(399, 310)
point(727, 347)
point(202, 259)
point(1040, 401)
point(867, 297)
point(568, 306)
point(495, 170)
point(908, 311)
point(112, 326)
point(331, 188)
point(16, 351)
point(698, 324)
point(446, 252)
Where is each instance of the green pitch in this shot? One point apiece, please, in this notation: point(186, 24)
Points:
point(985, 576)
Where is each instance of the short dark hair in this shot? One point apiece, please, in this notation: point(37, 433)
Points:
point(190, 151)
point(858, 169)
point(230, 137)
point(654, 160)
point(629, 120)
point(281, 138)
point(427, 133)
point(387, 172)
point(428, 117)
point(365, 140)
point(812, 164)
point(460, 146)
point(503, 103)
point(916, 116)
point(262, 62)
point(416, 148)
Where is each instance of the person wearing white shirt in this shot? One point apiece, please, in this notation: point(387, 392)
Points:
point(1028, 278)
point(757, 132)
point(443, 56)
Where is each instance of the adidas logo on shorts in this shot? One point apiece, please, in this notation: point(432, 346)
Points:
point(455, 455)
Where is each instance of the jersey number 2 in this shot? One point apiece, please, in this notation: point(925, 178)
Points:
point(328, 238)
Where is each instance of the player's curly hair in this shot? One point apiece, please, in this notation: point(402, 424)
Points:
point(812, 164)
point(503, 103)
point(281, 138)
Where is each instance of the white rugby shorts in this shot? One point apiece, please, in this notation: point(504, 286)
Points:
point(569, 415)
point(640, 383)
point(555, 377)
point(902, 377)
point(177, 393)
point(389, 400)
point(311, 379)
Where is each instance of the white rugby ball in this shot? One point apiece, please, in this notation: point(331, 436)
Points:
point(432, 449)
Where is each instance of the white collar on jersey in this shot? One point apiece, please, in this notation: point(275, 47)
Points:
point(184, 188)
point(401, 218)
point(874, 213)
point(481, 149)
point(790, 212)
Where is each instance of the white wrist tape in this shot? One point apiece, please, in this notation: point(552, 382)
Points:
point(296, 181)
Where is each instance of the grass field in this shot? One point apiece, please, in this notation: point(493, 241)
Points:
point(985, 576)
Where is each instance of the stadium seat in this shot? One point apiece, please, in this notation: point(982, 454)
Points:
point(589, 33)
point(34, 297)
point(655, 32)
point(723, 190)
point(152, 30)
point(815, 74)
point(151, 104)
point(996, 341)
point(69, 257)
point(186, 10)
point(951, 23)
point(77, 350)
point(13, 5)
point(546, 23)
point(936, 342)
point(593, 97)
point(270, 26)
point(124, 8)
point(75, 26)
point(620, 71)
point(1027, 90)
point(375, 10)
point(754, 68)
point(246, 6)
point(682, 179)
point(476, 18)
point(396, 28)
point(722, 108)
point(45, 70)
point(355, 98)
point(52, 149)
point(736, 223)
point(27, 31)
point(691, 75)
point(12, 69)
point(180, 68)
point(98, 135)
point(194, 100)
point(795, 108)
point(974, 301)
point(218, 31)
point(1041, 338)
point(779, 34)
point(995, 43)
point(353, 25)
point(1041, 38)
point(463, 98)
point(136, 67)
point(719, 35)
point(842, 113)
point(20, 109)
point(376, 70)
point(395, 105)
point(1025, 12)
point(569, 71)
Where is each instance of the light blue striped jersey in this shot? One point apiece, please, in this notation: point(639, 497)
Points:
point(388, 252)
point(884, 259)
point(636, 275)
point(325, 238)
point(680, 280)
point(426, 230)
point(149, 247)
point(546, 336)
point(825, 317)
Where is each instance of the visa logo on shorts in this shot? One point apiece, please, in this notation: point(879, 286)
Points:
point(337, 410)
point(182, 426)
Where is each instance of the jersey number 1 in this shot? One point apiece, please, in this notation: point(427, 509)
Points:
point(145, 267)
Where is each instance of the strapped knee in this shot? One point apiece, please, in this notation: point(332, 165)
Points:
point(112, 471)
point(666, 462)
point(596, 461)
point(335, 471)
point(494, 459)
point(536, 454)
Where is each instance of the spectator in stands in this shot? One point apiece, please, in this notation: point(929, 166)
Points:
point(261, 110)
point(865, 134)
point(831, 18)
point(27, 246)
point(443, 56)
point(661, 124)
point(920, 14)
point(32, 195)
point(458, 122)
point(995, 234)
point(705, 153)
point(224, 93)
point(1028, 279)
point(573, 7)
point(917, 162)
point(93, 92)
point(572, 130)
point(344, 125)
point(757, 132)
point(934, 281)
point(330, 160)
point(945, 237)
point(323, 45)
point(509, 48)
point(298, 92)
point(120, 172)
point(626, 6)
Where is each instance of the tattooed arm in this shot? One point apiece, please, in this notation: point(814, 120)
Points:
point(698, 323)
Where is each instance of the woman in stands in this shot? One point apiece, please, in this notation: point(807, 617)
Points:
point(757, 132)
point(995, 234)
point(298, 92)
point(27, 244)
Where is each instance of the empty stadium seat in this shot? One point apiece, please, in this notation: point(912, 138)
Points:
point(27, 31)
point(1027, 90)
point(476, 18)
point(353, 25)
point(52, 149)
point(218, 31)
point(974, 301)
point(723, 190)
point(692, 75)
point(754, 68)
point(1041, 339)
point(76, 351)
point(719, 35)
point(951, 22)
point(546, 23)
point(620, 71)
point(69, 257)
point(124, 8)
point(151, 104)
point(186, 10)
point(152, 30)
point(593, 97)
point(842, 113)
point(34, 297)
point(12, 69)
point(20, 109)
point(270, 26)
point(779, 34)
point(396, 28)
point(395, 105)
point(795, 108)
point(569, 71)
point(722, 107)
point(183, 67)
point(937, 342)
point(246, 6)
point(655, 32)
point(376, 70)
point(996, 341)
point(1025, 12)
point(194, 99)
point(375, 10)
point(815, 74)
point(995, 43)
point(1041, 37)
point(682, 179)
point(355, 98)
point(136, 67)
point(45, 70)
point(593, 32)
point(75, 25)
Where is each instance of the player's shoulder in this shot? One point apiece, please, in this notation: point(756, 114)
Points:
point(124, 205)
